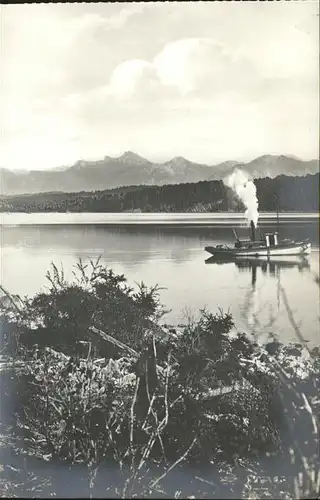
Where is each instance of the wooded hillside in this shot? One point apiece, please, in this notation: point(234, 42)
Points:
point(290, 193)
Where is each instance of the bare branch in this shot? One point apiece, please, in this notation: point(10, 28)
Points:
point(154, 483)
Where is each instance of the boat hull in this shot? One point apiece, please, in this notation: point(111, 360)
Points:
point(301, 248)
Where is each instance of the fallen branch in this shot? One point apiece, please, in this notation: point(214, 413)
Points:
point(11, 299)
point(113, 341)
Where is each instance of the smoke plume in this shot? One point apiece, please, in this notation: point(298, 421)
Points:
point(240, 182)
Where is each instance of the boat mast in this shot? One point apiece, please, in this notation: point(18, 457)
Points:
point(278, 222)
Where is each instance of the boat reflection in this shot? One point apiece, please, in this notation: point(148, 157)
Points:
point(269, 266)
point(260, 314)
point(265, 263)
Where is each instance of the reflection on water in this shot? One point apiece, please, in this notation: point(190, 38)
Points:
point(174, 258)
point(253, 307)
point(269, 266)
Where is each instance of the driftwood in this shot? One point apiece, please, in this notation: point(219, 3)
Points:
point(153, 330)
point(113, 341)
point(146, 360)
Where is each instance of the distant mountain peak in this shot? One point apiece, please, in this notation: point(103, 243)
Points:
point(131, 169)
point(293, 157)
point(177, 160)
point(273, 158)
point(266, 158)
point(130, 156)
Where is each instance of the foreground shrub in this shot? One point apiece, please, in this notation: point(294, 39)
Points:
point(205, 395)
point(61, 316)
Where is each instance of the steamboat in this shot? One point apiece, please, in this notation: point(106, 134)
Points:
point(266, 245)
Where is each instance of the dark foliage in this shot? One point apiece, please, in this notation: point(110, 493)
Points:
point(287, 193)
point(205, 395)
point(62, 316)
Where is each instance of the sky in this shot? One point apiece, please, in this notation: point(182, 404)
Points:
point(210, 81)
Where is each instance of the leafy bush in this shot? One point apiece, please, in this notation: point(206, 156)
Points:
point(97, 296)
point(206, 395)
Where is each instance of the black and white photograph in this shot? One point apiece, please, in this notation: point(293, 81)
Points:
point(159, 250)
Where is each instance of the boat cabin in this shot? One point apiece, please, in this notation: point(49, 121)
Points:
point(265, 239)
point(271, 239)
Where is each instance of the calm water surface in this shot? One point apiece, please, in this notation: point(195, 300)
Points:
point(173, 257)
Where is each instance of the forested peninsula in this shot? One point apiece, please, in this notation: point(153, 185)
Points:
point(287, 193)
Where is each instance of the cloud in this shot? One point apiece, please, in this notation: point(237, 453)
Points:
point(188, 63)
point(191, 65)
point(132, 76)
point(57, 54)
point(120, 18)
point(207, 80)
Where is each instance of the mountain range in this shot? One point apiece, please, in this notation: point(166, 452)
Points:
point(131, 169)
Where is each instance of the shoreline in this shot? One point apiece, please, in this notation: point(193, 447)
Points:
point(149, 218)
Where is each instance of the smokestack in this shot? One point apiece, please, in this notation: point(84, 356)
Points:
point(253, 231)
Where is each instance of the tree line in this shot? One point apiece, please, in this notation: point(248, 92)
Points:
point(283, 192)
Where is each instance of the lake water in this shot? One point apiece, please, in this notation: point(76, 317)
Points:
point(168, 249)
